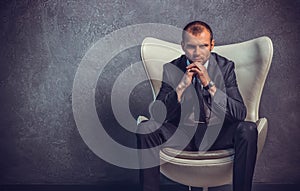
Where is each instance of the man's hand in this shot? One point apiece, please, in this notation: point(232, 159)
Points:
point(201, 72)
point(185, 82)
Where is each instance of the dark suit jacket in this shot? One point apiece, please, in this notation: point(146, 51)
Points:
point(226, 102)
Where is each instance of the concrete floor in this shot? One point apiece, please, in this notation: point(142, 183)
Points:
point(256, 187)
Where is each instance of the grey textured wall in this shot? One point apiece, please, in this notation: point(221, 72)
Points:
point(43, 42)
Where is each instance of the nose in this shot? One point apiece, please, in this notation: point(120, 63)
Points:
point(197, 51)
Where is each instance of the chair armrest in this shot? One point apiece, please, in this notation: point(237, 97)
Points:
point(140, 119)
point(262, 128)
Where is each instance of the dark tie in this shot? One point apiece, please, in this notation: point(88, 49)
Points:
point(202, 126)
point(199, 91)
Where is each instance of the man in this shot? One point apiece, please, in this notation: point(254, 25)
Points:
point(203, 107)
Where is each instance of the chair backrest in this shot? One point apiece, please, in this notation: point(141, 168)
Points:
point(252, 62)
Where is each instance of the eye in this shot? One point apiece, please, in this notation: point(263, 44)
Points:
point(190, 46)
point(203, 45)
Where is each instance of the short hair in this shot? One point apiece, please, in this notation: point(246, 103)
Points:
point(197, 27)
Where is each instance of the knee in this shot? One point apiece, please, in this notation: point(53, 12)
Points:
point(247, 131)
point(142, 129)
point(146, 134)
point(147, 127)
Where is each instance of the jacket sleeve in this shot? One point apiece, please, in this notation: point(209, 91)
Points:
point(231, 101)
point(168, 96)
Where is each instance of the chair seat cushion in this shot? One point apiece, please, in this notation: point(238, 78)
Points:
point(198, 155)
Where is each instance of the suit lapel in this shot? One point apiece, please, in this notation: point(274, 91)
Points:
point(214, 71)
point(182, 63)
point(212, 65)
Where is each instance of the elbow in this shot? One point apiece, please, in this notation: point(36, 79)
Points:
point(243, 113)
point(239, 114)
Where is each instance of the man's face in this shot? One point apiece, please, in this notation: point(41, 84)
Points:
point(197, 48)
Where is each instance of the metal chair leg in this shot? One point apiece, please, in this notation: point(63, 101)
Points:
point(205, 189)
point(190, 188)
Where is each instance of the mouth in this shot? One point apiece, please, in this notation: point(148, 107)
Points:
point(197, 60)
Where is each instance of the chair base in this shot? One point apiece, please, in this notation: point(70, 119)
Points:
point(203, 189)
point(197, 173)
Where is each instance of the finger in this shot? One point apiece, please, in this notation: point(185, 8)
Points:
point(195, 70)
point(198, 64)
point(191, 66)
point(189, 72)
point(192, 69)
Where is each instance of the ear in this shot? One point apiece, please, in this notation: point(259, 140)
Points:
point(182, 45)
point(212, 44)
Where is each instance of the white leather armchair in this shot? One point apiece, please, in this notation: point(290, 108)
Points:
point(213, 168)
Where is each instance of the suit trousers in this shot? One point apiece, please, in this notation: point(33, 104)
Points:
point(242, 136)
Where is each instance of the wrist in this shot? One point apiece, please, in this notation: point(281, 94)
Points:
point(212, 90)
point(181, 87)
point(179, 90)
point(209, 85)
